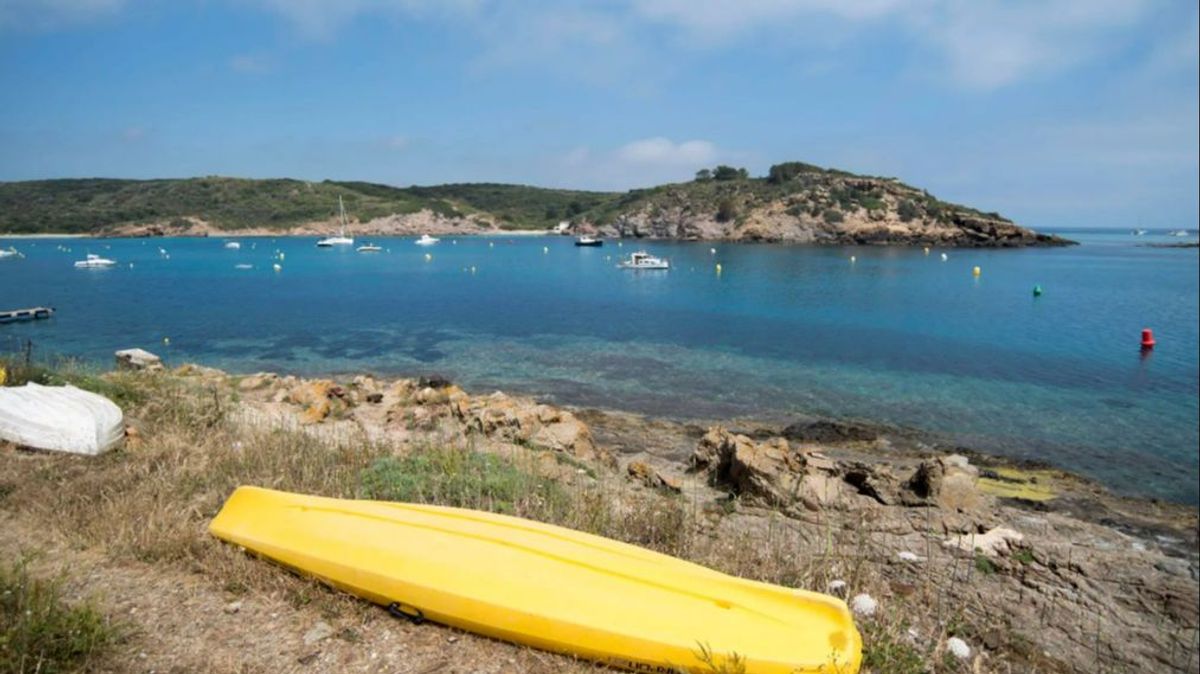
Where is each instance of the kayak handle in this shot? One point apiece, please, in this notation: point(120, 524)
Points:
point(416, 617)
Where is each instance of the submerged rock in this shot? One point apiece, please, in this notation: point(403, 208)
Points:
point(829, 431)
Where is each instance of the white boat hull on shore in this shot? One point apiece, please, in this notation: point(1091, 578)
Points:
point(60, 419)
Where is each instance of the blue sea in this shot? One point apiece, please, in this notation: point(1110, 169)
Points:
point(893, 335)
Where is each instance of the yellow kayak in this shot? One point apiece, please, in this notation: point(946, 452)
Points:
point(544, 586)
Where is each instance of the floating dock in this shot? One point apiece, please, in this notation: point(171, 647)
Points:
point(30, 314)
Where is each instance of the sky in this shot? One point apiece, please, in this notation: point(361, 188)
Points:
point(1057, 113)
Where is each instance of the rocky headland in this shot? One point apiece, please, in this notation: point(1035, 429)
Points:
point(794, 202)
point(1028, 568)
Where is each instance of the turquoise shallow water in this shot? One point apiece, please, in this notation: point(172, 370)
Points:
point(896, 336)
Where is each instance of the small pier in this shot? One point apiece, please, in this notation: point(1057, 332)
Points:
point(30, 314)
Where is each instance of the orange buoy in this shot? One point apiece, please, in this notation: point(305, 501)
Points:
point(1148, 338)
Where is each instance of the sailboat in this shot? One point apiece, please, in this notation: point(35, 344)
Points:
point(341, 239)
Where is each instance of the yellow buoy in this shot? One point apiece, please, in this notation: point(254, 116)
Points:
point(976, 271)
point(926, 250)
point(718, 267)
point(281, 257)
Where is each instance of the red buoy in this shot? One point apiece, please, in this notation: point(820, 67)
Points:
point(1147, 338)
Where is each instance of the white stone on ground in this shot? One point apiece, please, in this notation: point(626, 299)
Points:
point(958, 648)
point(863, 605)
point(836, 586)
point(906, 556)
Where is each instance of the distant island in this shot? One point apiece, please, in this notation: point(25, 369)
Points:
point(795, 202)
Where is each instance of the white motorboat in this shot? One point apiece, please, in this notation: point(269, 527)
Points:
point(94, 261)
point(1138, 232)
point(369, 248)
point(426, 240)
point(586, 241)
point(644, 260)
point(341, 239)
point(1179, 232)
point(232, 245)
point(11, 252)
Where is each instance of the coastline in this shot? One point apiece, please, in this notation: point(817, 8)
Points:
point(1020, 560)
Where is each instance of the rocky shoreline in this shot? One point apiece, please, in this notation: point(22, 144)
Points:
point(858, 229)
point(1031, 568)
point(1049, 541)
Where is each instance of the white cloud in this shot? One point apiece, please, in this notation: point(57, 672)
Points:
point(716, 20)
point(985, 45)
point(322, 19)
point(47, 14)
point(978, 44)
point(663, 152)
point(647, 161)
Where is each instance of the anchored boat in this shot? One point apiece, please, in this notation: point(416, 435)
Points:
point(544, 586)
point(426, 240)
point(341, 239)
point(94, 261)
point(644, 260)
point(588, 241)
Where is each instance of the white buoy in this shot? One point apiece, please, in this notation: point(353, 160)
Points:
point(545, 249)
point(853, 258)
point(945, 257)
point(428, 257)
point(491, 244)
point(926, 250)
point(277, 267)
point(167, 340)
point(618, 244)
point(712, 251)
point(472, 269)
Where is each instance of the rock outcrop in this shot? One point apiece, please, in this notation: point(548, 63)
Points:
point(137, 359)
point(774, 473)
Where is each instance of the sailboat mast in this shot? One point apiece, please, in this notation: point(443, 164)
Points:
point(342, 214)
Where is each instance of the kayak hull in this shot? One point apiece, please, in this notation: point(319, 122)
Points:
point(543, 586)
